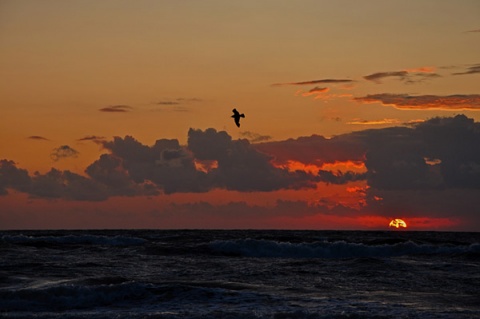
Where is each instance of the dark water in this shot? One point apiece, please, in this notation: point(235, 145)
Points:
point(239, 274)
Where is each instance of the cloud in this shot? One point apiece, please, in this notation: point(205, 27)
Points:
point(377, 77)
point(323, 81)
point(402, 158)
point(166, 164)
point(374, 122)
point(318, 92)
point(93, 138)
point(408, 76)
point(473, 69)
point(422, 69)
point(13, 177)
point(110, 172)
point(66, 185)
point(116, 109)
point(420, 170)
point(38, 138)
point(241, 166)
point(62, 152)
point(439, 153)
point(134, 169)
point(473, 31)
point(180, 100)
point(168, 103)
point(173, 168)
point(52, 185)
point(424, 102)
point(255, 137)
point(340, 178)
point(316, 149)
point(177, 104)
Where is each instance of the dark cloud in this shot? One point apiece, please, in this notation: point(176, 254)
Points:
point(440, 153)
point(209, 144)
point(406, 76)
point(473, 69)
point(473, 31)
point(316, 149)
point(38, 138)
point(13, 177)
point(427, 169)
point(323, 81)
point(116, 109)
point(340, 178)
point(377, 77)
point(109, 171)
point(66, 185)
point(424, 102)
point(62, 152)
point(241, 166)
point(52, 185)
point(166, 164)
point(255, 137)
point(93, 138)
point(436, 154)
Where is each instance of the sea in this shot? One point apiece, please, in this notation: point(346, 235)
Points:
point(244, 274)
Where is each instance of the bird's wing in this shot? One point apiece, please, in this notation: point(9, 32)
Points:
point(237, 121)
point(235, 112)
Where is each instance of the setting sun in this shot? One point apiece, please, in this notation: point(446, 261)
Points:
point(397, 223)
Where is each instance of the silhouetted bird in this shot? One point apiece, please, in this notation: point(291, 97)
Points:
point(236, 116)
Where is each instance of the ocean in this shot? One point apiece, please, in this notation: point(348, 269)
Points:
point(239, 274)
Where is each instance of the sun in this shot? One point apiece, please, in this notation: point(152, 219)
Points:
point(397, 223)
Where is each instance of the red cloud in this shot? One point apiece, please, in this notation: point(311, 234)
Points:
point(424, 102)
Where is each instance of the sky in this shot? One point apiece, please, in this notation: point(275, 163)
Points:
point(116, 114)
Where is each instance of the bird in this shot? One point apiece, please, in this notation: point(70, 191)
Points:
point(236, 116)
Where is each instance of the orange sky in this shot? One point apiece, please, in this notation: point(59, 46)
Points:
point(77, 74)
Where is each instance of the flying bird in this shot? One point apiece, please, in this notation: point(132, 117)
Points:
point(236, 116)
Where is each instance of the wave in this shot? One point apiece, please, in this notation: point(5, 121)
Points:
point(337, 249)
point(67, 294)
point(119, 292)
point(73, 240)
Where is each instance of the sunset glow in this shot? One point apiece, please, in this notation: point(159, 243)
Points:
point(118, 114)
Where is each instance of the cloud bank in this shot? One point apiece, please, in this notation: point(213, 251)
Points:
point(133, 169)
point(429, 169)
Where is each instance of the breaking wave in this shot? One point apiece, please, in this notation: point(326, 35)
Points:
point(337, 249)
